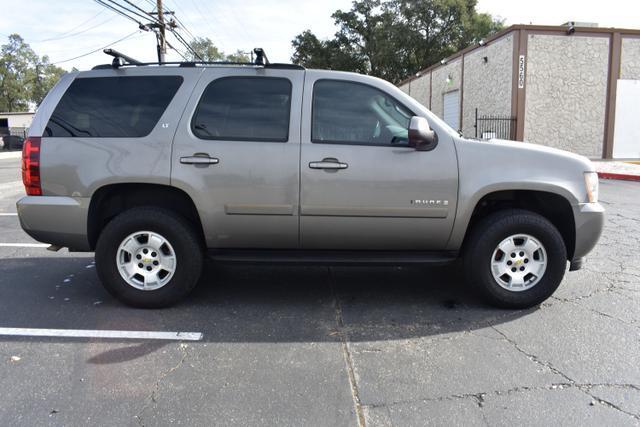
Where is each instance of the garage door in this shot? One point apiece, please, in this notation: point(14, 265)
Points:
point(626, 136)
point(452, 109)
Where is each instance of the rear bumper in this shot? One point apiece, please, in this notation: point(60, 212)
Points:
point(61, 221)
point(589, 220)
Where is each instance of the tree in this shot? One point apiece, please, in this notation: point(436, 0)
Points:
point(25, 78)
point(46, 75)
point(393, 39)
point(208, 52)
point(17, 61)
point(331, 54)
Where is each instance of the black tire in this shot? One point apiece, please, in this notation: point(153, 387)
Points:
point(181, 236)
point(484, 239)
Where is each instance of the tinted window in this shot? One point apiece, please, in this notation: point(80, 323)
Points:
point(112, 106)
point(244, 109)
point(354, 113)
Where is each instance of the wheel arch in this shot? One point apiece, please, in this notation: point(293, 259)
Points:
point(554, 207)
point(112, 199)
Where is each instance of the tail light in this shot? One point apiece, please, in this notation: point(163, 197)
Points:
point(31, 166)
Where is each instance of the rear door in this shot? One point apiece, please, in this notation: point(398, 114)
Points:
point(362, 187)
point(236, 153)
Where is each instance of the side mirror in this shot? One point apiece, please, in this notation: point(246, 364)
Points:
point(421, 136)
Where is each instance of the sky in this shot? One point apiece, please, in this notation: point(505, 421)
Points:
point(66, 29)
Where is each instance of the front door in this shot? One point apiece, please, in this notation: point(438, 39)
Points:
point(362, 187)
point(236, 153)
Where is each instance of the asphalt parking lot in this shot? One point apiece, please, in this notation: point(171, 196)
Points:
point(322, 346)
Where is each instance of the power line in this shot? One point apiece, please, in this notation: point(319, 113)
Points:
point(184, 27)
point(156, 23)
point(96, 50)
point(178, 8)
point(177, 51)
point(74, 34)
point(102, 3)
point(147, 14)
point(124, 8)
point(185, 44)
point(61, 35)
point(204, 18)
point(151, 3)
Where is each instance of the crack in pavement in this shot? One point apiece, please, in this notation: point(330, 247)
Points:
point(340, 329)
point(585, 388)
point(533, 357)
point(480, 397)
point(152, 396)
point(611, 289)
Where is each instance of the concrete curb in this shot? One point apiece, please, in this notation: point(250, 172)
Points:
point(620, 176)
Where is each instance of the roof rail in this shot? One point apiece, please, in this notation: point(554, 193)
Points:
point(122, 60)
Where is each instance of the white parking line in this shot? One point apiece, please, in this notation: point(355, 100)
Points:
point(14, 185)
point(11, 155)
point(86, 333)
point(24, 245)
point(8, 214)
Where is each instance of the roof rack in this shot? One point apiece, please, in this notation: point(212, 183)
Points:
point(122, 60)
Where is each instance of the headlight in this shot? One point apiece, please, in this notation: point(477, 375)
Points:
point(591, 182)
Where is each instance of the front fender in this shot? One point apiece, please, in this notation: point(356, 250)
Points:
point(488, 167)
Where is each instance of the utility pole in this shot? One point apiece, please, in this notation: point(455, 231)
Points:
point(160, 35)
point(160, 26)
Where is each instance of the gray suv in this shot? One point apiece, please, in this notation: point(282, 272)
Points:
point(155, 167)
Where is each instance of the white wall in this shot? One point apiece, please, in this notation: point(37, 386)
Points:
point(626, 136)
point(18, 120)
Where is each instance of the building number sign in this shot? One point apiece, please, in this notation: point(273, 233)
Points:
point(521, 72)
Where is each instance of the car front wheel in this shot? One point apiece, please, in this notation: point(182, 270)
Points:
point(515, 258)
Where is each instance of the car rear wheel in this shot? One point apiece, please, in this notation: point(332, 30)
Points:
point(515, 258)
point(149, 257)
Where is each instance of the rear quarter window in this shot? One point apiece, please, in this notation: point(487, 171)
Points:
point(112, 107)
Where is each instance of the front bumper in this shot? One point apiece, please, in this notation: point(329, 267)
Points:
point(589, 221)
point(60, 221)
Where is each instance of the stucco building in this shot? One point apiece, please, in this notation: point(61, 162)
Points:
point(572, 87)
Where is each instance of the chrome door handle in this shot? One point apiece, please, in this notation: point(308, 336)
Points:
point(199, 160)
point(328, 164)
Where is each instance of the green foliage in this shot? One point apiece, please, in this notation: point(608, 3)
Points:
point(238, 56)
point(206, 50)
point(25, 78)
point(393, 39)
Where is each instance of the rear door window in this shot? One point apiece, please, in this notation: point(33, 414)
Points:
point(112, 107)
point(244, 109)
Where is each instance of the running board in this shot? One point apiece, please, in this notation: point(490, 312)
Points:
point(324, 257)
